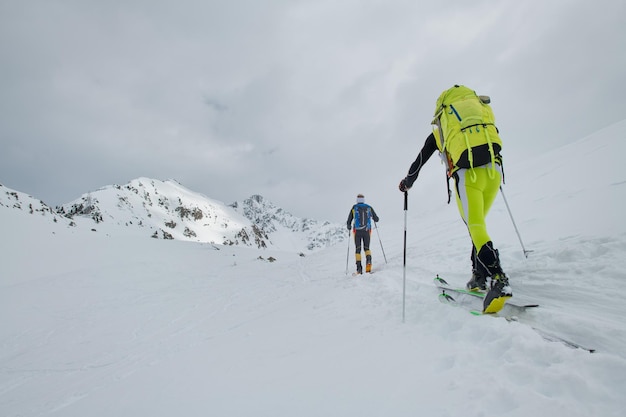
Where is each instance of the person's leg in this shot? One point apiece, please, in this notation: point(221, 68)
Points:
point(368, 252)
point(357, 243)
point(478, 281)
point(475, 194)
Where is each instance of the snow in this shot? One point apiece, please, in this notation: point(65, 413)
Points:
point(113, 324)
point(166, 209)
point(151, 204)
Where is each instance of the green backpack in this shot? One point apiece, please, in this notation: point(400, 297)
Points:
point(465, 130)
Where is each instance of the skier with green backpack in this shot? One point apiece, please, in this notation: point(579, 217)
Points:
point(468, 141)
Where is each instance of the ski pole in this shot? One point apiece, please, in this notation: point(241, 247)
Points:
point(348, 254)
point(381, 242)
point(526, 252)
point(406, 205)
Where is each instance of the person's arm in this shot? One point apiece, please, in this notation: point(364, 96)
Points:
point(429, 148)
point(374, 216)
point(350, 217)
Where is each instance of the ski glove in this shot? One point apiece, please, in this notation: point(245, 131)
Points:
point(403, 186)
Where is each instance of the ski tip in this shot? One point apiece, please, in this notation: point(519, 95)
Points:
point(446, 298)
point(440, 280)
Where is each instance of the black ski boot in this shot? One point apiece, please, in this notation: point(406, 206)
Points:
point(500, 290)
point(498, 294)
point(478, 282)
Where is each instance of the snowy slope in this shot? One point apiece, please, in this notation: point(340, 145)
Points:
point(101, 325)
point(166, 209)
point(13, 202)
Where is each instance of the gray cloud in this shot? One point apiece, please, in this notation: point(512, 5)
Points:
point(305, 102)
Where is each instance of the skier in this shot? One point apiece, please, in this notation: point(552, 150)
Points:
point(476, 187)
point(362, 214)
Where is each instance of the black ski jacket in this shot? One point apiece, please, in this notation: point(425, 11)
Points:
point(429, 148)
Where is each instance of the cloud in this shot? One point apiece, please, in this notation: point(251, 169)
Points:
point(305, 102)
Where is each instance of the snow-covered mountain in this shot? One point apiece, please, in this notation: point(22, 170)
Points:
point(168, 210)
point(20, 202)
point(164, 209)
point(287, 229)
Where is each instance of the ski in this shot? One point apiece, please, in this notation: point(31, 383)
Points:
point(509, 311)
point(443, 285)
point(554, 338)
point(356, 274)
point(473, 303)
point(366, 272)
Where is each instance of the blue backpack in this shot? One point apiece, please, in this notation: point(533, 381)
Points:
point(362, 216)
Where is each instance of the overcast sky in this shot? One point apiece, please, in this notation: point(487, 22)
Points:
point(306, 102)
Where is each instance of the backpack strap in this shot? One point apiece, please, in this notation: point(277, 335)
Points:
point(492, 171)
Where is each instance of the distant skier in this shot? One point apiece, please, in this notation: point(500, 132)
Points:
point(469, 143)
point(362, 214)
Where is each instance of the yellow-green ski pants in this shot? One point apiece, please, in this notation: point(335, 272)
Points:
point(476, 190)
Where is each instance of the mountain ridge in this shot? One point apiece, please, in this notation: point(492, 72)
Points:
point(169, 210)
